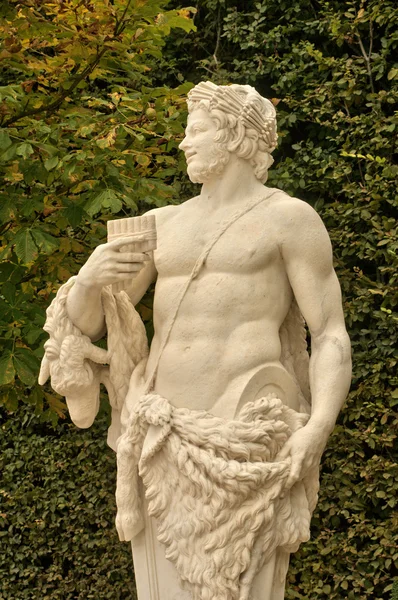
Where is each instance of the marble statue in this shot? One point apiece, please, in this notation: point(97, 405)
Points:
point(220, 425)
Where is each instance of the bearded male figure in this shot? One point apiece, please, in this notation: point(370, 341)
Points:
point(218, 419)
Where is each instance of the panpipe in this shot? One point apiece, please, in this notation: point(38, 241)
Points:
point(143, 228)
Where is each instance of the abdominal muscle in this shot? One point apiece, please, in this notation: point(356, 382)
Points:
point(215, 342)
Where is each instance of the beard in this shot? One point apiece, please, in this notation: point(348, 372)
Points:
point(216, 161)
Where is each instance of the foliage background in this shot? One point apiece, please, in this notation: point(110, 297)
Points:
point(91, 112)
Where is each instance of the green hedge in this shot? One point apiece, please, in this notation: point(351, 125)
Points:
point(57, 535)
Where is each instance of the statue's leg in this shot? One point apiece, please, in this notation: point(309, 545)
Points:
point(269, 583)
point(156, 577)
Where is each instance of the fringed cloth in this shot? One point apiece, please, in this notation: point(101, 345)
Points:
point(213, 485)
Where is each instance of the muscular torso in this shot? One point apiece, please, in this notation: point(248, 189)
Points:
point(228, 322)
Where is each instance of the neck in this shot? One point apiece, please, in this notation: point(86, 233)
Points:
point(235, 184)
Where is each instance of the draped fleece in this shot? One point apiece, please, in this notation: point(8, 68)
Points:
point(219, 498)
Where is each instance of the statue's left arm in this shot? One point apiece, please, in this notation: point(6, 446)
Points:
point(307, 255)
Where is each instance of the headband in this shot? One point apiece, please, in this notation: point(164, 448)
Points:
point(244, 103)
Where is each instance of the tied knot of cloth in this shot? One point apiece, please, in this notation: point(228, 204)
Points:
point(155, 410)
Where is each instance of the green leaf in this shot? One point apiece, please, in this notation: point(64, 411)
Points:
point(25, 248)
point(24, 150)
point(46, 242)
point(5, 252)
point(51, 163)
point(10, 400)
point(9, 154)
point(180, 18)
point(26, 366)
point(7, 209)
point(7, 371)
point(33, 334)
point(5, 141)
point(75, 214)
point(8, 291)
point(106, 199)
point(392, 74)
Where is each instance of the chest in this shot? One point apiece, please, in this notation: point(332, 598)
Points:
point(249, 244)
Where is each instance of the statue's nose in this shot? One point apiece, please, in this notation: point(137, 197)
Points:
point(184, 145)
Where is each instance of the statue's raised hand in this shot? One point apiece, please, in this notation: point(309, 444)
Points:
point(113, 262)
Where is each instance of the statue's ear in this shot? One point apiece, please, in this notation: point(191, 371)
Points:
point(232, 120)
point(236, 136)
point(44, 370)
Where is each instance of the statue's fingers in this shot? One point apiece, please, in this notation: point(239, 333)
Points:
point(128, 267)
point(132, 257)
point(295, 471)
point(126, 241)
point(284, 452)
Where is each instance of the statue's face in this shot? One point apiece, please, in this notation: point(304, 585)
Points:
point(205, 157)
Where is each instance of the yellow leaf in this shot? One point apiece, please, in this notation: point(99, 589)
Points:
point(76, 247)
point(185, 13)
point(116, 97)
point(63, 274)
point(86, 129)
point(13, 173)
point(88, 184)
point(138, 33)
point(56, 405)
point(108, 140)
point(65, 245)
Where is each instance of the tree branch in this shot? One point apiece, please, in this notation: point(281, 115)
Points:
point(218, 36)
point(53, 106)
point(367, 56)
point(120, 23)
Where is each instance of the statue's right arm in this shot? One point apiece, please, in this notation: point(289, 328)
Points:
point(107, 265)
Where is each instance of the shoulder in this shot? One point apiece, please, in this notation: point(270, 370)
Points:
point(164, 212)
point(295, 221)
point(300, 233)
point(167, 213)
point(292, 211)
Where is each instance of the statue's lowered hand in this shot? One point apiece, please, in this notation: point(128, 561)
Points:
point(113, 262)
point(305, 448)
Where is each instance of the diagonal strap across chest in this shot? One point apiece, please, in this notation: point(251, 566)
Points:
point(198, 266)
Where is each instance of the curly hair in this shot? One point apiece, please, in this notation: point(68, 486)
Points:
point(238, 134)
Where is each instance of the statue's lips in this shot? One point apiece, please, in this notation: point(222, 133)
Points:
point(189, 155)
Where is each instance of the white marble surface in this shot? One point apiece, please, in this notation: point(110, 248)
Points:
point(236, 269)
